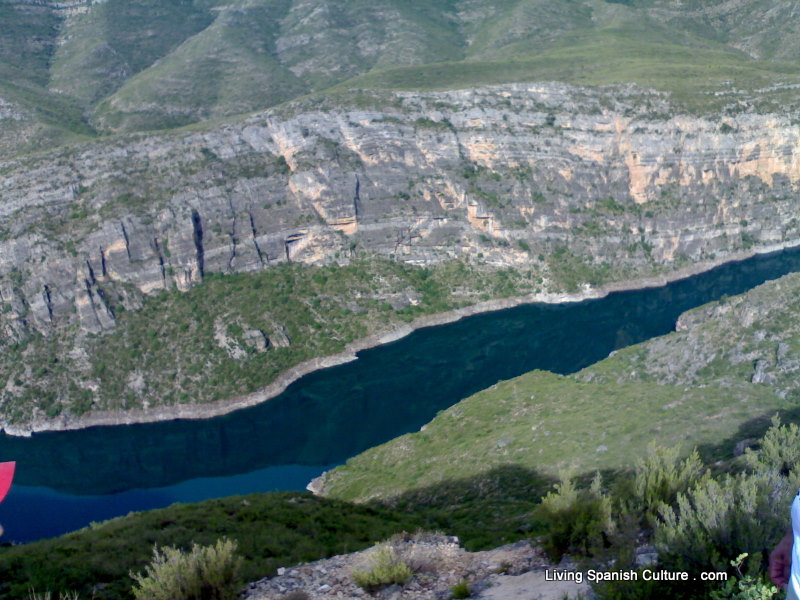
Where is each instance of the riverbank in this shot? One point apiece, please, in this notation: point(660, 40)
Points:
point(210, 410)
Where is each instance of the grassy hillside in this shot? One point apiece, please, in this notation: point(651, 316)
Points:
point(615, 55)
point(730, 343)
point(735, 366)
point(140, 64)
point(27, 41)
point(271, 530)
point(228, 67)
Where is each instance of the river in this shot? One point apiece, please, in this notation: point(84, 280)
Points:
point(66, 480)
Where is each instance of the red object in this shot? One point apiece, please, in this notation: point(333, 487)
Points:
point(6, 475)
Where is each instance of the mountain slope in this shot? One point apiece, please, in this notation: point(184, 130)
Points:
point(227, 68)
point(106, 43)
point(141, 64)
point(538, 188)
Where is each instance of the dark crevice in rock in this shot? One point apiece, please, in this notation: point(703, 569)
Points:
point(157, 248)
point(102, 295)
point(127, 240)
point(357, 198)
point(103, 268)
point(90, 270)
point(254, 233)
point(96, 295)
point(197, 226)
point(49, 302)
point(232, 236)
point(89, 294)
point(291, 240)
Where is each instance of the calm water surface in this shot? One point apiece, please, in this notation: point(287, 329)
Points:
point(65, 480)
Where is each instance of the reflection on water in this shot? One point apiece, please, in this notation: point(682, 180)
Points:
point(331, 415)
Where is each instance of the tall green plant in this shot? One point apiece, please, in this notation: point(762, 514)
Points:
point(779, 452)
point(660, 475)
point(577, 520)
point(744, 587)
point(386, 569)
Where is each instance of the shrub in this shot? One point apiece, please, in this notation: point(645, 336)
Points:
point(205, 573)
point(461, 590)
point(779, 452)
point(577, 520)
point(660, 476)
point(385, 570)
point(717, 520)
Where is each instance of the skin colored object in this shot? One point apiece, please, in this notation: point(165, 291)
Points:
point(780, 561)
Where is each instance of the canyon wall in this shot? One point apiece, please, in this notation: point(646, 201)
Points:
point(504, 175)
point(535, 190)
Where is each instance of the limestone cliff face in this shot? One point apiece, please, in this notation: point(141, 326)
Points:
point(510, 175)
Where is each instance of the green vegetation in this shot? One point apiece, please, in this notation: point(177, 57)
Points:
point(531, 421)
point(203, 573)
point(270, 530)
point(704, 522)
point(461, 590)
point(660, 475)
point(226, 68)
point(570, 271)
point(699, 519)
point(121, 36)
point(384, 570)
point(725, 340)
point(194, 347)
point(486, 470)
point(578, 520)
point(744, 587)
point(33, 595)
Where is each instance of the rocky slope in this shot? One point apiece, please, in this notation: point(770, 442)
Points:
point(438, 563)
point(751, 338)
point(565, 187)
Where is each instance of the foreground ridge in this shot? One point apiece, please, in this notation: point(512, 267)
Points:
point(438, 562)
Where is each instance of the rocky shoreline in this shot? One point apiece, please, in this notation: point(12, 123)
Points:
point(215, 409)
